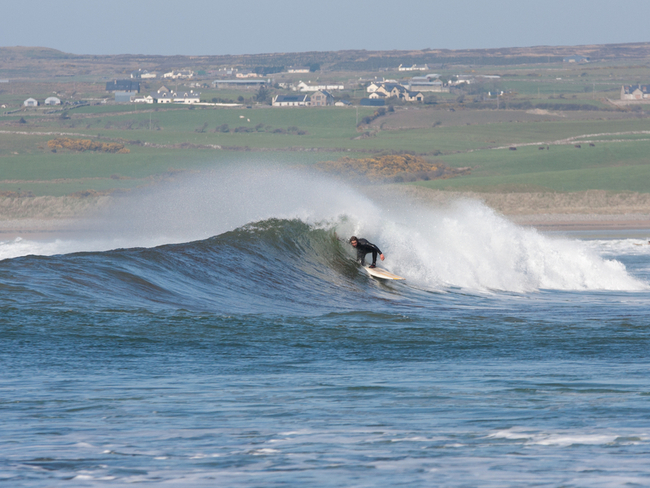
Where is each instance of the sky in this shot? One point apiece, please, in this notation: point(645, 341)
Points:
point(218, 27)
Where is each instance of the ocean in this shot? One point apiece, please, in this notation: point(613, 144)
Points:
point(215, 331)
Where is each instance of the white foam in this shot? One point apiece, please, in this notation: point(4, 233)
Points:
point(564, 439)
point(465, 244)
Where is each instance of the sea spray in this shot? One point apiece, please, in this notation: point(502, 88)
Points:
point(464, 244)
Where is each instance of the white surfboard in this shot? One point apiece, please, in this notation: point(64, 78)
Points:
point(382, 274)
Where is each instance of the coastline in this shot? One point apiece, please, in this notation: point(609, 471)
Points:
point(49, 218)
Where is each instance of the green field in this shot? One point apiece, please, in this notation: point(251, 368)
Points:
point(461, 131)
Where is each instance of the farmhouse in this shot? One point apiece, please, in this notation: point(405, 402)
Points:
point(298, 69)
point(391, 90)
point(143, 74)
point(321, 98)
point(635, 92)
point(182, 74)
point(395, 90)
point(173, 97)
point(422, 83)
point(291, 100)
point(303, 87)
point(30, 102)
point(415, 67)
point(413, 96)
point(372, 87)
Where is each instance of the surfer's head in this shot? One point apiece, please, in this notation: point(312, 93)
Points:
point(354, 241)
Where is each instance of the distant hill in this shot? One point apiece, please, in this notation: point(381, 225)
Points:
point(23, 58)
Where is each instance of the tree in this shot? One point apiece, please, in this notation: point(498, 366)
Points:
point(262, 95)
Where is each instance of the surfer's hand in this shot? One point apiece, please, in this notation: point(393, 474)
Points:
point(381, 256)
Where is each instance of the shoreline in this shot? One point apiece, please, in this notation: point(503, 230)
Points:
point(52, 229)
point(50, 218)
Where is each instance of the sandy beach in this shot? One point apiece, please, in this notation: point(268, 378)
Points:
point(46, 218)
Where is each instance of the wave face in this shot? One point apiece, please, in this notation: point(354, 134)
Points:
point(273, 249)
point(290, 267)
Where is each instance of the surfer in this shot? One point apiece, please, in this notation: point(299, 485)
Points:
point(364, 247)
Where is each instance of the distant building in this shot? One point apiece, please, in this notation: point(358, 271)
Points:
point(575, 59)
point(415, 67)
point(298, 69)
point(173, 97)
point(372, 87)
point(124, 96)
point(146, 99)
point(413, 96)
point(635, 92)
point(52, 101)
point(30, 102)
point(321, 98)
point(181, 74)
point(391, 90)
point(425, 85)
point(291, 101)
point(304, 87)
point(143, 74)
point(123, 85)
point(244, 82)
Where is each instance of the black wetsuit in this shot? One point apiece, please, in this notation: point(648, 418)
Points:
point(363, 248)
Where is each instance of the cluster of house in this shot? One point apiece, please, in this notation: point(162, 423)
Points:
point(415, 67)
point(184, 74)
point(164, 95)
point(635, 92)
point(411, 91)
point(32, 102)
point(321, 98)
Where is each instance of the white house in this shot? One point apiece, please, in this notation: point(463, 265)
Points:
point(187, 97)
point(147, 99)
point(415, 67)
point(52, 101)
point(30, 102)
point(304, 87)
point(372, 87)
point(182, 74)
point(291, 100)
point(635, 92)
point(172, 97)
point(143, 74)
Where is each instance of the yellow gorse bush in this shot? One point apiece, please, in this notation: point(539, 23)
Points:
point(86, 145)
point(396, 168)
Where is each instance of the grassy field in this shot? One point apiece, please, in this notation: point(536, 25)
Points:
point(612, 166)
point(461, 131)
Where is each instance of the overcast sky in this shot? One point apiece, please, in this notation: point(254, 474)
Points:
point(248, 27)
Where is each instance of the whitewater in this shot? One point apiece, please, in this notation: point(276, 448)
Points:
point(216, 330)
